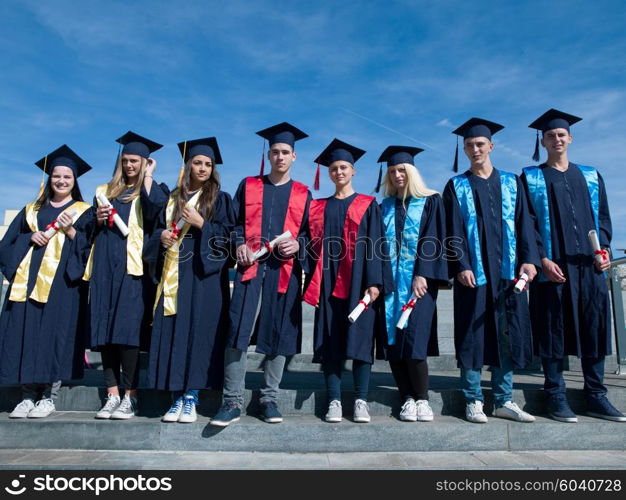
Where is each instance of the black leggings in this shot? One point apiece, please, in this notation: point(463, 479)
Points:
point(411, 376)
point(115, 356)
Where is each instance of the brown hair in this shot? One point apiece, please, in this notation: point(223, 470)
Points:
point(208, 195)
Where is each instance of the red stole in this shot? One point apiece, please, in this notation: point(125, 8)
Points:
point(254, 214)
point(355, 214)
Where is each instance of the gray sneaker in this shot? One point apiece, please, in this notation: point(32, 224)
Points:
point(126, 409)
point(334, 413)
point(22, 409)
point(42, 409)
point(361, 411)
point(113, 401)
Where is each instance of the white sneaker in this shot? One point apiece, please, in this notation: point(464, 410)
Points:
point(113, 401)
point(126, 409)
point(424, 411)
point(513, 412)
point(474, 413)
point(408, 412)
point(188, 414)
point(334, 413)
point(22, 409)
point(361, 411)
point(173, 414)
point(42, 409)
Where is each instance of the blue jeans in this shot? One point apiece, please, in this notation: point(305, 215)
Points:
point(235, 377)
point(593, 373)
point(180, 394)
point(360, 375)
point(501, 376)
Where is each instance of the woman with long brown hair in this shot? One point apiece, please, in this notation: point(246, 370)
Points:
point(120, 288)
point(191, 307)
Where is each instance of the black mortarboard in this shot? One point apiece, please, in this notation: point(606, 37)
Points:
point(207, 147)
point(394, 155)
point(474, 127)
point(551, 119)
point(65, 157)
point(134, 144)
point(282, 133)
point(339, 151)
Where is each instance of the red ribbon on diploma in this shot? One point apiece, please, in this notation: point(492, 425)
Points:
point(604, 253)
point(175, 230)
point(111, 214)
point(366, 307)
point(409, 305)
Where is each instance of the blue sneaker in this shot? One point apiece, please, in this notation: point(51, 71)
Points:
point(174, 412)
point(188, 415)
point(270, 413)
point(227, 414)
point(559, 409)
point(602, 408)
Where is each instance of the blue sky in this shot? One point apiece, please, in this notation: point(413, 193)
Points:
point(372, 73)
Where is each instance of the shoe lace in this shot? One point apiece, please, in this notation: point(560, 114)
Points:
point(188, 406)
point(24, 404)
point(334, 404)
point(422, 405)
point(44, 404)
point(175, 408)
point(408, 405)
point(125, 405)
point(111, 403)
point(361, 405)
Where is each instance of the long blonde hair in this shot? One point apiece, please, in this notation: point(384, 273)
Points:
point(415, 186)
point(119, 183)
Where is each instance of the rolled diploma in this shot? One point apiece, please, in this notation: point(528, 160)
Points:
point(116, 218)
point(599, 255)
point(179, 226)
point(263, 250)
point(521, 283)
point(49, 233)
point(404, 318)
point(356, 312)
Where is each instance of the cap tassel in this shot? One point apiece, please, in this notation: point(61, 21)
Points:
point(179, 182)
point(455, 167)
point(316, 183)
point(536, 153)
point(262, 172)
point(380, 178)
point(117, 158)
point(43, 177)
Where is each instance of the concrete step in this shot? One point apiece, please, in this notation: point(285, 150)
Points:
point(304, 394)
point(299, 434)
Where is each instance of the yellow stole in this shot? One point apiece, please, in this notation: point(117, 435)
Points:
point(168, 286)
point(134, 240)
point(49, 263)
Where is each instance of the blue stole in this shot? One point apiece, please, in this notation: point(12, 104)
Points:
point(403, 262)
point(463, 190)
point(538, 194)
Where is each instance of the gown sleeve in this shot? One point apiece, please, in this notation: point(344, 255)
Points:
point(216, 235)
point(525, 227)
point(429, 262)
point(457, 249)
point(80, 246)
point(14, 245)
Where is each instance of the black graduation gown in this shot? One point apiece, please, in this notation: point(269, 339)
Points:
point(573, 318)
point(334, 337)
point(419, 339)
point(187, 349)
point(119, 304)
point(43, 343)
point(278, 328)
point(475, 309)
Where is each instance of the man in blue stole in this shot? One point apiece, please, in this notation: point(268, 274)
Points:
point(569, 303)
point(495, 242)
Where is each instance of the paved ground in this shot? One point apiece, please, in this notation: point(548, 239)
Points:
point(142, 460)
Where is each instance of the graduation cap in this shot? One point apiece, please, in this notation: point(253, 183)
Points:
point(207, 147)
point(394, 155)
point(474, 127)
point(134, 144)
point(63, 157)
point(336, 151)
point(284, 133)
point(551, 119)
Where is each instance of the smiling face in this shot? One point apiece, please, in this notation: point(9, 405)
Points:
point(62, 181)
point(341, 173)
point(398, 176)
point(477, 149)
point(131, 165)
point(556, 141)
point(281, 156)
point(201, 168)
